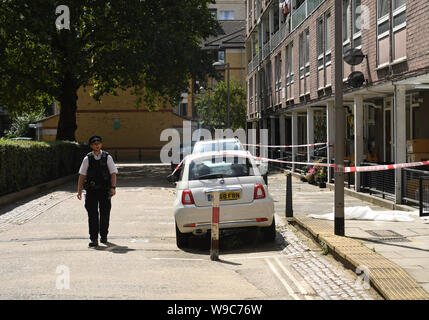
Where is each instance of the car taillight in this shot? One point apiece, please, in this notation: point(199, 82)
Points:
point(187, 197)
point(261, 219)
point(259, 192)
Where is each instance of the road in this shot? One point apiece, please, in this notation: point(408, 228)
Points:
point(44, 252)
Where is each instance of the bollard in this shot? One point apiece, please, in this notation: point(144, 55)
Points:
point(214, 249)
point(288, 207)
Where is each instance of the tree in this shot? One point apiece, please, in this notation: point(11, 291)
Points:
point(152, 47)
point(212, 107)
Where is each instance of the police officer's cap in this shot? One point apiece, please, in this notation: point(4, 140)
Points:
point(94, 139)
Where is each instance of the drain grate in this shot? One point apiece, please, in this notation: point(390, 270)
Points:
point(387, 236)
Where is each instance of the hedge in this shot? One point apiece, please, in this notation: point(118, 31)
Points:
point(25, 164)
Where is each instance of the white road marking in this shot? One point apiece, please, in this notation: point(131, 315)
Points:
point(257, 257)
point(184, 259)
point(294, 280)
point(283, 281)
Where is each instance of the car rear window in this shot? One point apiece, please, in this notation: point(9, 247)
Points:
point(220, 166)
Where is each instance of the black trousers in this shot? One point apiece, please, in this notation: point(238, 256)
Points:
point(98, 205)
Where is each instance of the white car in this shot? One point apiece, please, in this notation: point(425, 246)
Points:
point(244, 200)
point(232, 144)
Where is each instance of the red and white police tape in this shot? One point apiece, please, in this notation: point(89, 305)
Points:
point(288, 146)
point(338, 169)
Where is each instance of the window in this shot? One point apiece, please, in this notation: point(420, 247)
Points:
point(357, 22)
point(383, 8)
point(307, 52)
point(183, 109)
point(251, 110)
point(320, 36)
point(391, 31)
point(278, 78)
point(289, 71)
point(346, 20)
point(324, 43)
point(221, 55)
point(398, 3)
point(215, 167)
point(226, 15)
point(328, 32)
point(304, 61)
point(213, 11)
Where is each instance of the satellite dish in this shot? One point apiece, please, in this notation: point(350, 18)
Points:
point(356, 79)
point(353, 56)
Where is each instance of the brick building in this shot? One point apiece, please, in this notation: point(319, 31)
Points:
point(290, 84)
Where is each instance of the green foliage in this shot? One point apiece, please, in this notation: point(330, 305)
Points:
point(27, 163)
point(19, 127)
point(212, 107)
point(152, 47)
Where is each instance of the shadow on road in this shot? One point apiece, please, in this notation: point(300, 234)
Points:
point(235, 242)
point(144, 176)
point(114, 248)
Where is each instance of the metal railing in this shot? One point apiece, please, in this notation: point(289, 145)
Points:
point(424, 196)
point(411, 184)
point(378, 182)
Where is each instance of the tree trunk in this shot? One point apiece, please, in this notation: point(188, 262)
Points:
point(68, 100)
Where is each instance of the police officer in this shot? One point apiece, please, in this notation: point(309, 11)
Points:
point(97, 175)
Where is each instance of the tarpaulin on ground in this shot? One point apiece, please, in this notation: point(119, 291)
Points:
point(366, 213)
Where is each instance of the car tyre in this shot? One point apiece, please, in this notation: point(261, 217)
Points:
point(269, 233)
point(181, 238)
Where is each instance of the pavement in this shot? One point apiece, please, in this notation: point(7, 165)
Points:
point(393, 255)
point(44, 252)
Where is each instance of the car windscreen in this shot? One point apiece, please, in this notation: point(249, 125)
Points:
point(218, 146)
point(220, 167)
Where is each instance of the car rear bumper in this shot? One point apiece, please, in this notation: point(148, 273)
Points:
point(231, 216)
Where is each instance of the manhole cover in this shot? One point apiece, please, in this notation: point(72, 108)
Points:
point(387, 236)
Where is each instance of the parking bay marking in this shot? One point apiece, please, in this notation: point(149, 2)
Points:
point(282, 280)
point(226, 259)
point(294, 280)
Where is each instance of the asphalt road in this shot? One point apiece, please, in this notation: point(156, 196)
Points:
point(44, 252)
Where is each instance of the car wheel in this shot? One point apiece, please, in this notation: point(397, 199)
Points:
point(269, 233)
point(181, 238)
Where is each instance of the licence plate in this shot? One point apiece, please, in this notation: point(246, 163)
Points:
point(232, 195)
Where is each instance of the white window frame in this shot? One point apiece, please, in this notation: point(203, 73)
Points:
point(289, 71)
point(380, 37)
point(356, 35)
point(396, 12)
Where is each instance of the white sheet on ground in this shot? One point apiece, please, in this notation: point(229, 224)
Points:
point(366, 213)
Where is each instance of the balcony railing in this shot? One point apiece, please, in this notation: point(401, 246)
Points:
point(298, 17)
point(266, 50)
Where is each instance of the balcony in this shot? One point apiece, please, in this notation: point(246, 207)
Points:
point(307, 8)
point(298, 17)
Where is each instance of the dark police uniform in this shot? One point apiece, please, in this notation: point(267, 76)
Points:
point(98, 170)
